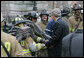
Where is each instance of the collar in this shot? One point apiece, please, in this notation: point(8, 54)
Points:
point(57, 19)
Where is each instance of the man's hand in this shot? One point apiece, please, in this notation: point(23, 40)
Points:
point(46, 40)
point(43, 46)
point(40, 46)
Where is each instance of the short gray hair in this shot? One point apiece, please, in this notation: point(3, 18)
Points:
point(56, 12)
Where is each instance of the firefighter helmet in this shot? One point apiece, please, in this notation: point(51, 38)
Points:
point(65, 11)
point(34, 15)
point(17, 20)
point(44, 12)
point(77, 7)
point(28, 16)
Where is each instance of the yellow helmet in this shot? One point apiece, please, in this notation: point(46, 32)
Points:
point(17, 20)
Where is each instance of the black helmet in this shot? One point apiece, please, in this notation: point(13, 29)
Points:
point(65, 11)
point(44, 12)
point(28, 16)
point(34, 15)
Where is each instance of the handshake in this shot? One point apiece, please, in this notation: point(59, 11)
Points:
point(43, 44)
point(37, 47)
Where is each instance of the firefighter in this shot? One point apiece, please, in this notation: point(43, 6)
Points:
point(72, 44)
point(65, 13)
point(28, 41)
point(44, 19)
point(34, 16)
point(42, 24)
point(6, 26)
point(76, 18)
point(9, 45)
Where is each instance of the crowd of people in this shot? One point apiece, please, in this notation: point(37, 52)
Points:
point(57, 34)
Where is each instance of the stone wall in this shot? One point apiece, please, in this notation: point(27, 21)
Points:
point(14, 8)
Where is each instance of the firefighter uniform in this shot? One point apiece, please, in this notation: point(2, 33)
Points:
point(25, 45)
point(44, 52)
point(76, 18)
point(42, 26)
point(13, 47)
point(73, 23)
point(26, 42)
point(10, 43)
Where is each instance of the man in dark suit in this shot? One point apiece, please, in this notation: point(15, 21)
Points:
point(57, 31)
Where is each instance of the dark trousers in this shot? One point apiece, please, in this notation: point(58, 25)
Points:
point(54, 51)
